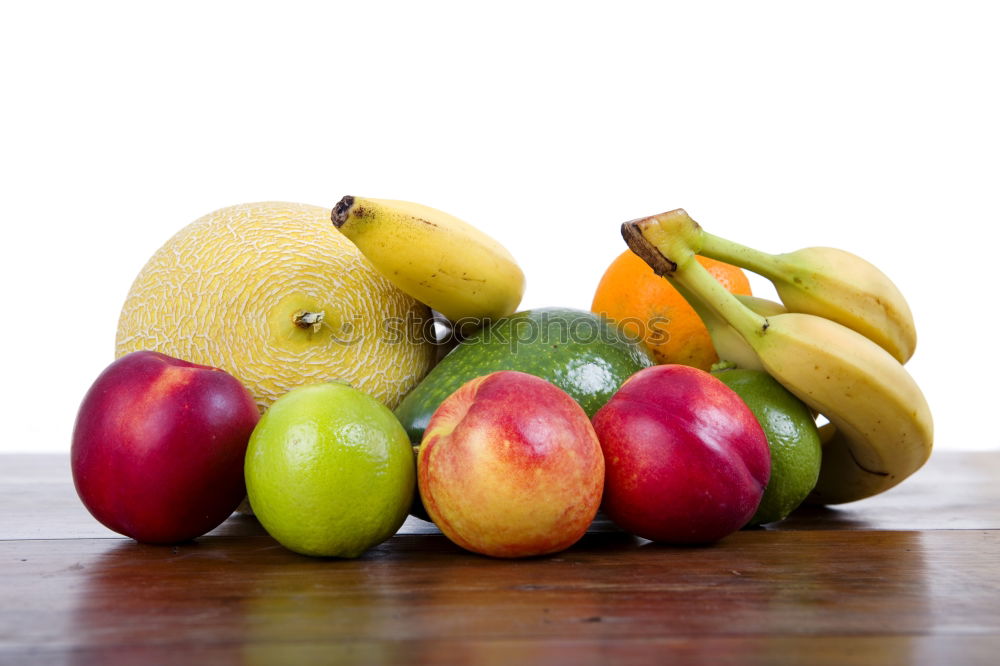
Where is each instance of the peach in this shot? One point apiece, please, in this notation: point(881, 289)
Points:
point(510, 466)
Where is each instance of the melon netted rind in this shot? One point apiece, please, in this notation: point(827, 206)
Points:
point(213, 293)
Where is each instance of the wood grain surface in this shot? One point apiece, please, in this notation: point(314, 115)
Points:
point(912, 576)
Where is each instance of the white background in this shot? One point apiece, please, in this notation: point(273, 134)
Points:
point(867, 126)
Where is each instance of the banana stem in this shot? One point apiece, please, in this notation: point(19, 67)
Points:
point(730, 252)
point(708, 317)
point(698, 282)
point(668, 244)
point(342, 211)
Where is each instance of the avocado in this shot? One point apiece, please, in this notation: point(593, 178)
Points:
point(581, 353)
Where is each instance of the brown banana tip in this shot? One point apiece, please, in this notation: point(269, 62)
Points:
point(340, 211)
point(645, 250)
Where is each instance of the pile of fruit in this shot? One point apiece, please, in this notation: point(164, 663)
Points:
point(341, 377)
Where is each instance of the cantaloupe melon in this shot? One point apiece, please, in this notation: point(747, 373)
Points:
point(275, 295)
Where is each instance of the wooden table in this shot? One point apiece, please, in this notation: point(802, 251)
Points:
point(912, 576)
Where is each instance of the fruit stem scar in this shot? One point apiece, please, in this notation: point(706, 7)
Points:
point(304, 319)
point(661, 265)
point(341, 211)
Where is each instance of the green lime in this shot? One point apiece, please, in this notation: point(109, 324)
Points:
point(329, 471)
point(792, 434)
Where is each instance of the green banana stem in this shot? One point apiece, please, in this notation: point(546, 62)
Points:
point(729, 345)
point(668, 243)
point(708, 317)
point(730, 252)
point(697, 281)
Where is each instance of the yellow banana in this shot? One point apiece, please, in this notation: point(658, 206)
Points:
point(434, 257)
point(883, 424)
point(827, 282)
point(761, 306)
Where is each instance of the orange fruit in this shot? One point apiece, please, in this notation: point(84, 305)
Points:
point(647, 306)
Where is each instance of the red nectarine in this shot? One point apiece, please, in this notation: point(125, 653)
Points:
point(686, 460)
point(158, 447)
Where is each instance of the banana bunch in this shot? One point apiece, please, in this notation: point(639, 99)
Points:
point(434, 257)
point(829, 283)
point(839, 348)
